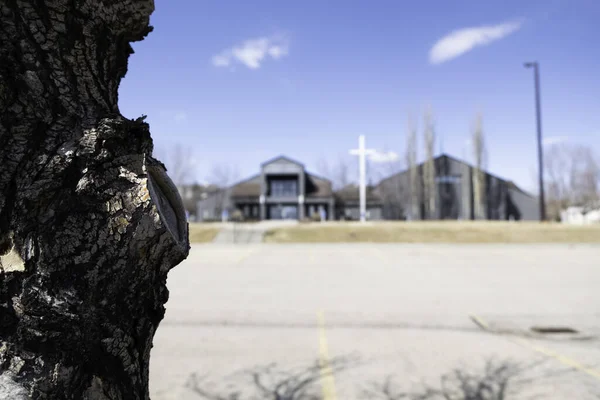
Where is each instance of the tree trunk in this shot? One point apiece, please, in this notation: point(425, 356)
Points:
point(429, 166)
point(90, 223)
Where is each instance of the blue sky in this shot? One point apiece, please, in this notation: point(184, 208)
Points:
point(243, 81)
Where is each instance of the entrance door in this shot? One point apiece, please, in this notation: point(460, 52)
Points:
point(289, 212)
point(279, 211)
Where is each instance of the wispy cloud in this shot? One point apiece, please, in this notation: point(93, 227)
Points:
point(180, 116)
point(383, 157)
point(463, 40)
point(253, 52)
point(552, 140)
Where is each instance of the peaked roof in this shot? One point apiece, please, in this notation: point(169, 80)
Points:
point(511, 184)
point(280, 158)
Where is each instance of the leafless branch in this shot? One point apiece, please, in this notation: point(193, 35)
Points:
point(223, 175)
point(179, 161)
point(572, 177)
point(339, 172)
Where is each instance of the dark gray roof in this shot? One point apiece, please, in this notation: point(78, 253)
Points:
point(247, 188)
point(317, 186)
point(350, 194)
point(510, 184)
point(282, 157)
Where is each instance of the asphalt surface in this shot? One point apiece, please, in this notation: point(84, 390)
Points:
point(408, 313)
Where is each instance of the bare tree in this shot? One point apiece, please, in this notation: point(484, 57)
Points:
point(180, 163)
point(429, 165)
point(556, 165)
point(90, 223)
point(342, 175)
point(339, 172)
point(222, 176)
point(584, 175)
point(572, 177)
point(413, 173)
point(391, 188)
point(480, 157)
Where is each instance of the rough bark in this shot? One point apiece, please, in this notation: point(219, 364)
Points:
point(90, 223)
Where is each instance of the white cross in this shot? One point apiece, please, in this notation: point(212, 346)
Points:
point(362, 152)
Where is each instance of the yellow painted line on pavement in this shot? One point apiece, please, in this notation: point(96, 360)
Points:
point(327, 380)
point(542, 350)
point(479, 322)
point(560, 358)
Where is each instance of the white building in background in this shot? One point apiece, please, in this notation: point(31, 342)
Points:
point(580, 215)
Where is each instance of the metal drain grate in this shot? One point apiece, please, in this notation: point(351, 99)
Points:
point(553, 329)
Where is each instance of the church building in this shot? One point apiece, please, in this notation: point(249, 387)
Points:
point(283, 189)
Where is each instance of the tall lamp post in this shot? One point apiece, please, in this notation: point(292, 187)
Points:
point(538, 113)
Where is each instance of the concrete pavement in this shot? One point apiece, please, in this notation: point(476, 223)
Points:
point(402, 310)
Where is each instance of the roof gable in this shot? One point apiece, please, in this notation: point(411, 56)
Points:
point(282, 159)
point(446, 156)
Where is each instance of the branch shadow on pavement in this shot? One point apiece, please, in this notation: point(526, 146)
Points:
point(270, 382)
point(497, 380)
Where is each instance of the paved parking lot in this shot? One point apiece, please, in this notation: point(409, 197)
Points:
point(402, 311)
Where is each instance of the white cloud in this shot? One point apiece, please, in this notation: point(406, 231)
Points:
point(461, 41)
point(383, 157)
point(253, 52)
point(552, 140)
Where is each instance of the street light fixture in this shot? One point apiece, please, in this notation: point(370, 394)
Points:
point(538, 112)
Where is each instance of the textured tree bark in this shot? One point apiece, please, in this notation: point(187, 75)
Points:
point(90, 223)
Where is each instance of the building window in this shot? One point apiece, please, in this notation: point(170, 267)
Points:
point(284, 188)
point(448, 179)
